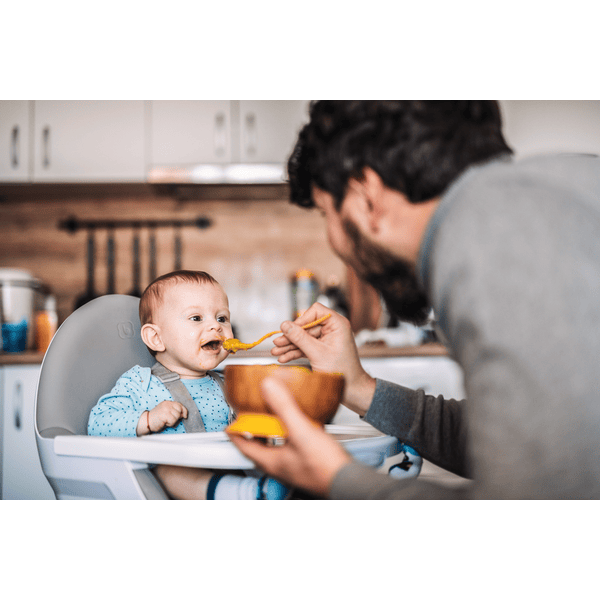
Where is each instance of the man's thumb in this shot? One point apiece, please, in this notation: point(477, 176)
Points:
point(281, 400)
point(296, 334)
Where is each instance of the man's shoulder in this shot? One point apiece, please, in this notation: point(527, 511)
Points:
point(543, 171)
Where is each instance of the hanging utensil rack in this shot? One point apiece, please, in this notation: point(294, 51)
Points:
point(73, 224)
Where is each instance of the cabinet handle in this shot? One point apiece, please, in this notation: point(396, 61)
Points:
point(18, 404)
point(251, 142)
point(15, 147)
point(46, 144)
point(220, 135)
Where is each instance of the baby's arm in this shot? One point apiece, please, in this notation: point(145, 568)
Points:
point(118, 412)
point(167, 414)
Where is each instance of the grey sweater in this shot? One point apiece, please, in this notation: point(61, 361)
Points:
point(511, 263)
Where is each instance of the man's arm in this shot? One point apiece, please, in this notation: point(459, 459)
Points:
point(359, 482)
point(434, 426)
point(312, 460)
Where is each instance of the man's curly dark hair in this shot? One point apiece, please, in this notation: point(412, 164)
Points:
point(417, 147)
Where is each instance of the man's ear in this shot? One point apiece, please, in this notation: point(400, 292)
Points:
point(369, 198)
point(151, 337)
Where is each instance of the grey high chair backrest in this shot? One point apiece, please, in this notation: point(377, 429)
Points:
point(91, 350)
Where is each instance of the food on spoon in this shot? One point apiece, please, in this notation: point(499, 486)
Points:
point(232, 345)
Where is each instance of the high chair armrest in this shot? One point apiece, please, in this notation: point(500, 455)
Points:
point(211, 450)
point(204, 450)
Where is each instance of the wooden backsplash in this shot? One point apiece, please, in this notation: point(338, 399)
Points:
point(254, 228)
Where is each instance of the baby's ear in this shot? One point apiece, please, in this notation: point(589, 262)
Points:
point(151, 337)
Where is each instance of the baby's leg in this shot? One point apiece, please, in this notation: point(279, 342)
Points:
point(183, 483)
point(190, 483)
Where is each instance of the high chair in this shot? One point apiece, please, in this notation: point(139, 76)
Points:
point(93, 347)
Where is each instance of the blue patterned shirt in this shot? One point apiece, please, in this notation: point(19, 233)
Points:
point(118, 412)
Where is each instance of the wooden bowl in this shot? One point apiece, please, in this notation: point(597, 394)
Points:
point(318, 395)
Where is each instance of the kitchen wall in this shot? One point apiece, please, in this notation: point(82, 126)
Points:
point(257, 240)
point(540, 126)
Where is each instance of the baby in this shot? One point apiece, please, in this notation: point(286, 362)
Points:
point(184, 317)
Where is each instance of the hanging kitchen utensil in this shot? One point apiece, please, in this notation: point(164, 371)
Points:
point(152, 250)
point(90, 293)
point(178, 250)
point(136, 290)
point(110, 261)
point(73, 224)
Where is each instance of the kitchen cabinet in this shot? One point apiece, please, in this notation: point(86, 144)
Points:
point(15, 159)
point(88, 141)
point(190, 132)
point(210, 141)
point(21, 475)
point(435, 375)
point(71, 141)
point(269, 129)
point(159, 141)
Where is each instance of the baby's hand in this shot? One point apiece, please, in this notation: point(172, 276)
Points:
point(167, 414)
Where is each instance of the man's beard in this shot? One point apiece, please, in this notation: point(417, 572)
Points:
point(392, 277)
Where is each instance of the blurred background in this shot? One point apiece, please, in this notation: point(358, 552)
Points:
point(70, 168)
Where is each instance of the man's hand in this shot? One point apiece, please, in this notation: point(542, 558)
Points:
point(309, 459)
point(329, 347)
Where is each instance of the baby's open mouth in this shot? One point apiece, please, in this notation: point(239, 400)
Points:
point(212, 346)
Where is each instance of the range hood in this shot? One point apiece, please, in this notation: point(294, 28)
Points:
point(232, 173)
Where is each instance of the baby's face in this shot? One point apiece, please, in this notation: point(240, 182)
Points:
point(193, 318)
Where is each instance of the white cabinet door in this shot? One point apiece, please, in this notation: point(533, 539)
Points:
point(22, 476)
point(269, 128)
point(187, 132)
point(14, 140)
point(89, 141)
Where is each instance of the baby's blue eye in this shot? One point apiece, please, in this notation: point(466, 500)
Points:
point(222, 319)
point(196, 318)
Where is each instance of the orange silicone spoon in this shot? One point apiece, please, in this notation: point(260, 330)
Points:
point(233, 345)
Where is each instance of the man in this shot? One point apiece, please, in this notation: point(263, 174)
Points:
point(426, 203)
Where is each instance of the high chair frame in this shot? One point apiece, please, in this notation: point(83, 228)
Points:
point(93, 347)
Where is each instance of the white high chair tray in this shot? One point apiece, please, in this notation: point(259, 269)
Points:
point(207, 450)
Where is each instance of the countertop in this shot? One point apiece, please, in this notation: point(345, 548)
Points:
point(21, 358)
point(374, 351)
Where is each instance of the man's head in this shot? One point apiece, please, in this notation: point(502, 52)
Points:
point(376, 169)
point(417, 147)
point(184, 317)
